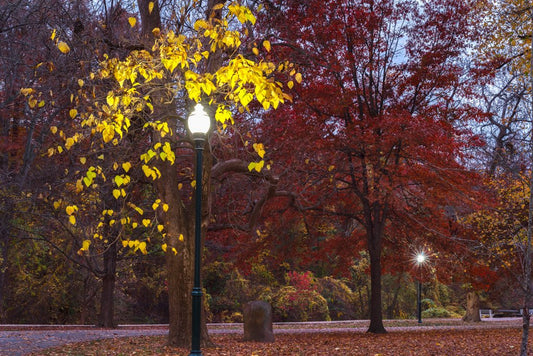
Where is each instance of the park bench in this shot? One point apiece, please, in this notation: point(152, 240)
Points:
point(508, 313)
point(502, 313)
point(485, 313)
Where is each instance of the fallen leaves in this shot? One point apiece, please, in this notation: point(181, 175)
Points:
point(418, 342)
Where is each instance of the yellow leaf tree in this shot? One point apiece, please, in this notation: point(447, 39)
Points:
point(129, 118)
point(507, 48)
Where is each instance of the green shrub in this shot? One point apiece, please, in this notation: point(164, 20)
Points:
point(428, 304)
point(436, 313)
point(290, 304)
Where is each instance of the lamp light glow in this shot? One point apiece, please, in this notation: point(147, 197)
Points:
point(420, 258)
point(199, 121)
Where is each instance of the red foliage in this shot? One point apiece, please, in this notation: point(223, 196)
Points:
point(373, 149)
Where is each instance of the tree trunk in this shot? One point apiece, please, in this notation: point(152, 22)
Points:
point(4, 244)
point(179, 225)
point(149, 19)
point(5, 240)
point(107, 300)
point(376, 316)
point(472, 308)
point(527, 258)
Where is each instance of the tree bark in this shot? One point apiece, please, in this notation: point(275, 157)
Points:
point(179, 224)
point(149, 19)
point(374, 237)
point(527, 258)
point(4, 245)
point(107, 300)
point(472, 308)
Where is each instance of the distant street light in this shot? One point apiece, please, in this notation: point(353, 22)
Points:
point(199, 124)
point(420, 259)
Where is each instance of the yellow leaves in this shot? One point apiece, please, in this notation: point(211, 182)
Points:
point(298, 77)
point(218, 6)
point(164, 247)
point(108, 133)
point(112, 101)
point(81, 83)
point(201, 23)
point(126, 166)
point(72, 113)
point(150, 7)
point(63, 47)
point(257, 166)
point(132, 21)
point(85, 246)
point(146, 157)
point(136, 245)
point(260, 149)
point(79, 186)
point(122, 180)
point(142, 247)
point(71, 209)
point(89, 177)
point(72, 219)
point(167, 153)
point(32, 102)
point(27, 91)
point(242, 13)
point(223, 115)
point(267, 46)
point(151, 172)
point(53, 129)
point(57, 204)
point(136, 208)
point(53, 35)
point(69, 143)
point(146, 222)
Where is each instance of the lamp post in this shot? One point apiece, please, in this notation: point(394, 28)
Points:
point(420, 258)
point(199, 123)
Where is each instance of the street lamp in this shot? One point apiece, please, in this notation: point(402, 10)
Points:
point(420, 258)
point(199, 123)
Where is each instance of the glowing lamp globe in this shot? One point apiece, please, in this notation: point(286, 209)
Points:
point(199, 121)
point(420, 258)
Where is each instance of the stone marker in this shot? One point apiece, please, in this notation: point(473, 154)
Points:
point(257, 318)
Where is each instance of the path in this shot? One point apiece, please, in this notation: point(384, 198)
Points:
point(19, 340)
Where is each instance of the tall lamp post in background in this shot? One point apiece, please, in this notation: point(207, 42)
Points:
point(199, 124)
point(420, 258)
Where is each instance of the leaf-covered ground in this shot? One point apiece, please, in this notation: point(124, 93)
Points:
point(417, 342)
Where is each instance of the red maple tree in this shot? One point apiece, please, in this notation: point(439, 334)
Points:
point(376, 138)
